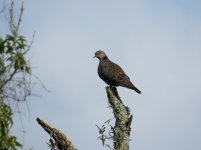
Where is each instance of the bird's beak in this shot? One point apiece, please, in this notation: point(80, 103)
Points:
point(94, 56)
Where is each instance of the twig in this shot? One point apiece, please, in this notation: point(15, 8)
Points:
point(10, 78)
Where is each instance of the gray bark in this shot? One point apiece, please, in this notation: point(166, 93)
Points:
point(123, 120)
point(59, 140)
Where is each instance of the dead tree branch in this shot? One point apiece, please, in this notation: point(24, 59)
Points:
point(123, 118)
point(59, 139)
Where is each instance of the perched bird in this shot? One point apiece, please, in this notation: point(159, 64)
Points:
point(112, 73)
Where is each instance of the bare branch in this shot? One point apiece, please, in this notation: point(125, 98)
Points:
point(20, 17)
point(60, 139)
point(29, 46)
point(10, 78)
point(12, 20)
point(14, 27)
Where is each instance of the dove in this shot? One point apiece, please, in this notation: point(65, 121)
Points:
point(111, 73)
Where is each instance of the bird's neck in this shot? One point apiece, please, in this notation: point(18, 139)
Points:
point(105, 58)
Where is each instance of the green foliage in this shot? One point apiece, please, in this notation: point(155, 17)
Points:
point(7, 142)
point(14, 83)
point(12, 52)
point(2, 65)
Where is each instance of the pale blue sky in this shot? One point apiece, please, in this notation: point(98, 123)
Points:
point(158, 43)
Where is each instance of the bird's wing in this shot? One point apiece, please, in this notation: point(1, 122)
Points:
point(118, 73)
point(112, 73)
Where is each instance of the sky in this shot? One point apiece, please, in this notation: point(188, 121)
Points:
point(157, 43)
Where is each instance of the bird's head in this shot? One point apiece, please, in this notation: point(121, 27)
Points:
point(100, 55)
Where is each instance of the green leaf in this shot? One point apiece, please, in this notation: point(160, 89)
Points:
point(10, 37)
point(9, 49)
point(22, 38)
point(2, 47)
point(28, 70)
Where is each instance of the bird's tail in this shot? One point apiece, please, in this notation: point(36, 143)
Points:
point(136, 89)
point(131, 86)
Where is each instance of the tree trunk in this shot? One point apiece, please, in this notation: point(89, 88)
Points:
point(123, 120)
